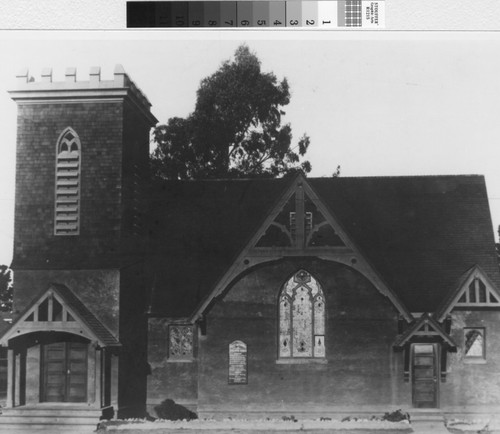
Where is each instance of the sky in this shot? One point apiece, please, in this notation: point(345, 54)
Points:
point(377, 104)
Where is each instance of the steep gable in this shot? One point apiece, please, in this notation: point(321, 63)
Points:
point(424, 327)
point(474, 291)
point(411, 236)
point(298, 224)
point(58, 309)
point(419, 232)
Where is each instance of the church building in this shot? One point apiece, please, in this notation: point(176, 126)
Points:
point(265, 297)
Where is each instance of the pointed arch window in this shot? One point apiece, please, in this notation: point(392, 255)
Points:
point(474, 344)
point(67, 200)
point(301, 318)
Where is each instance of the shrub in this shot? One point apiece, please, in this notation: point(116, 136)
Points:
point(169, 410)
point(396, 416)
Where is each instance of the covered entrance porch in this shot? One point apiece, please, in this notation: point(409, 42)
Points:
point(61, 361)
point(425, 344)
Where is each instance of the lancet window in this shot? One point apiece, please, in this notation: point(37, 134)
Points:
point(302, 318)
point(67, 200)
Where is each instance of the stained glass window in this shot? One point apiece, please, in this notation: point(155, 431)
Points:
point(474, 343)
point(180, 341)
point(301, 317)
point(285, 327)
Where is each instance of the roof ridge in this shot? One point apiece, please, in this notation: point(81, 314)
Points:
point(222, 180)
point(457, 175)
point(469, 175)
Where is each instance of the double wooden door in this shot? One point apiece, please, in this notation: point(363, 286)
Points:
point(425, 375)
point(64, 371)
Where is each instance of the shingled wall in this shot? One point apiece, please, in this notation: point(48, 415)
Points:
point(100, 129)
point(102, 264)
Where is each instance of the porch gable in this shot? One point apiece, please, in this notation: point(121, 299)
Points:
point(58, 309)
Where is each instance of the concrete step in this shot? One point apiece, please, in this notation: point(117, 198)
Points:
point(429, 428)
point(428, 421)
point(49, 418)
point(427, 418)
point(52, 411)
point(27, 420)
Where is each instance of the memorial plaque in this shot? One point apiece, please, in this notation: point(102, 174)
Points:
point(238, 363)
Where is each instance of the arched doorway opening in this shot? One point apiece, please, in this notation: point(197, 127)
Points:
point(51, 367)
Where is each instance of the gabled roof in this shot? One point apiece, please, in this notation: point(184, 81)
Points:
point(75, 318)
point(474, 290)
point(419, 233)
point(285, 234)
point(197, 230)
point(424, 327)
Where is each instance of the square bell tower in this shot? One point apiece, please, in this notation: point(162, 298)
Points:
point(82, 173)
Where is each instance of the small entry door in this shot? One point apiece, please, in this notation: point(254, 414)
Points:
point(64, 372)
point(425, 376)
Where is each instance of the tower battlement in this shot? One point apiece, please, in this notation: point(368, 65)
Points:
point(29, 90)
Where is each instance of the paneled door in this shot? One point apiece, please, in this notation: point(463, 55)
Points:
point(64, 372)
point(425, 375)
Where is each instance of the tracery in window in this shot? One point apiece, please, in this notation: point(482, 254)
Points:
point(67, 200)
point(301, 318)
point(180, 342)
point(474, 343)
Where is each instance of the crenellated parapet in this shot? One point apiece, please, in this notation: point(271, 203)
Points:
point(29, 90)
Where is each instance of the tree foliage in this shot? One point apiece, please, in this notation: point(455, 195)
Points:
point(235, 129)
point(6, 290)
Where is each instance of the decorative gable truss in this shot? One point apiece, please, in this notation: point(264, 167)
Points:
point(475, 291)
point(301, 225)
point(57, 309)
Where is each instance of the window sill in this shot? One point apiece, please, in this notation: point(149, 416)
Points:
point(180, 360)
point(304, 361)
point(478, 361)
